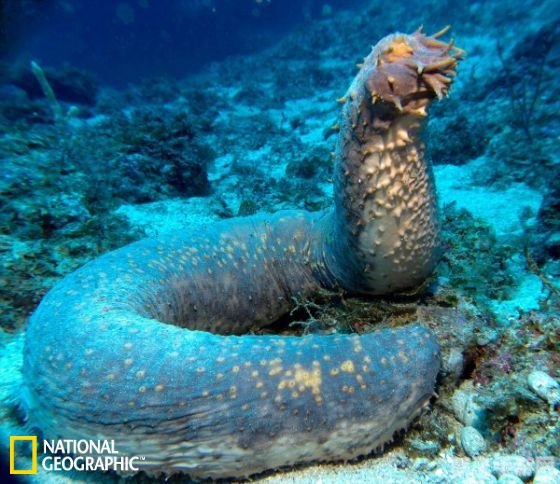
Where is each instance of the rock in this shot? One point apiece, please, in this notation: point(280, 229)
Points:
point(547, 475)
point(453, 363)
point(422, 465)
point(512, 464)
point(544, 386)
point(472, 441)
point(468, 410)
point(425, 446)
point(475, 475)
point(69, 84)
point(509, 479)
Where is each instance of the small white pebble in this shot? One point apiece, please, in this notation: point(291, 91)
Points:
point(544, 386)
point(476, 475)
point(509, 479)
point(547, 475)
point(472, 441)
point(512, 464)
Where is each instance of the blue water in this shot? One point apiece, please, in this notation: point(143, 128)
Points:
point(123, 42)
point(142, 117)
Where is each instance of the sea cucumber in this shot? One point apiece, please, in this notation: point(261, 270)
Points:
point(146, 346)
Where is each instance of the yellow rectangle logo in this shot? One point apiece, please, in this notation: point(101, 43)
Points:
point(19, 438)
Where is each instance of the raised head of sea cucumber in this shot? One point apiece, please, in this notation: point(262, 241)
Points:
point(146, 345)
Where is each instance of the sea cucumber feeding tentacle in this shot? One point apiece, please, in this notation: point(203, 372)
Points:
point(145, 345)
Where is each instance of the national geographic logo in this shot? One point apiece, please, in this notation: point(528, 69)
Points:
point(68, 455)
point(15, 444)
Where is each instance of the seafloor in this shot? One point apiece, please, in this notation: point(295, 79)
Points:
point(254, 134)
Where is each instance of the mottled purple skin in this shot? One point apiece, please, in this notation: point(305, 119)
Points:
point(141, 346)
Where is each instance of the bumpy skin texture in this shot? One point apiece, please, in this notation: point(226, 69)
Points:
point(145, 345)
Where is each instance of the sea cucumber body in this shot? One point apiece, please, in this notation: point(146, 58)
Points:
point(146, 345)
point(215, 405)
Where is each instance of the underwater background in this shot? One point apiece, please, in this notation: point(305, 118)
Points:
point(120, 120)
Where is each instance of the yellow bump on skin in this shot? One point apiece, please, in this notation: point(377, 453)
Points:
point(262, 362)
point(365, 368)
point(327, 358)
point(335, 371)
point(384, 361)
point(140, 374)
point(403, 357)
point(254, 373)
point(398, 48)
point(128, 362)
point(219, 396)
point(219, 376)
point(205, 393)
point(259, 384)
point(247, 364)
point(264, 394)
point(127, 346)
point(278, 399)
point(111, 376)
point(220, 359)
point(304, 379)
point(245, 407)
point(159, 388)
point(275, 371)
point(132, 403)
point(367, 359)
point(235, 369)
point(347, 366)
point(403, 136)
point(295, 394)
point(142, 389)
point(88, 352)
point(200, 370)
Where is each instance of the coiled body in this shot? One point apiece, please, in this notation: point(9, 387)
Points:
point(145, 345)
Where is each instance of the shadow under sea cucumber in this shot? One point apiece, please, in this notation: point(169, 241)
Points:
point(145, 345)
